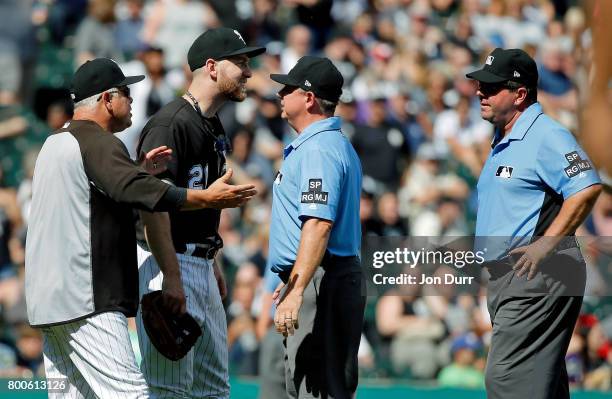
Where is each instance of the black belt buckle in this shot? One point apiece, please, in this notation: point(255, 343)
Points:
point(205, 253)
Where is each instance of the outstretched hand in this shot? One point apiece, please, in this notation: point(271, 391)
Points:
point(156, 160)
point(221, 194)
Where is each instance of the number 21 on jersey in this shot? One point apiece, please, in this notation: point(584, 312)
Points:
point(198, 177)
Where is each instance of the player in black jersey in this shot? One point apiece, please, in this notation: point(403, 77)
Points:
point(219, 60)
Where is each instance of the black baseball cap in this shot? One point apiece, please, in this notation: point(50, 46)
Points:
point(99, 75)
point(315, 74)
point(219, 43)
point(504, 65)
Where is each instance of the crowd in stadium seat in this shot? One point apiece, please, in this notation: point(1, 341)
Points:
point(407, 107)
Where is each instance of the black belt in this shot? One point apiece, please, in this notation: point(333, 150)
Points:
point(332, 264)
point(500, 267)
point(204, 251)
point(331, 259)
point(566, 243)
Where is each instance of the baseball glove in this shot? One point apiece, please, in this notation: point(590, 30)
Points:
point(172, 335)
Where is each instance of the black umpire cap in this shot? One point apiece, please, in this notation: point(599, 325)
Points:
point(99, 75)
point(315, 74)
point(218, 44)
point(505, 65)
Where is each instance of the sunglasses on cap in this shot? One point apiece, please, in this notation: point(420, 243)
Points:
point(125, 90)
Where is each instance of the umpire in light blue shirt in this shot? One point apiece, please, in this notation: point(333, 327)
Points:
point(315, 238)
point(536, 187)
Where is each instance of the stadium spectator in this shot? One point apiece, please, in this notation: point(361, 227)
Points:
point(299, 43)
point(29, 345)
point(391, 224)
point(241, 333)
point(248, 160)
point(95, 35)
point(461, 372)
point(405, 113)
point(262, 26)
point(462, 134)
point(128, 32)
point(556, 91)
point(149, 95)
point(410, 330)
point(426, 182)
point(174, 24)
point(382, 148)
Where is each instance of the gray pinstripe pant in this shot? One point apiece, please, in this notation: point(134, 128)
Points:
point(203, 372)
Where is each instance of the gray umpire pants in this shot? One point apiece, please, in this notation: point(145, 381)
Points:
point(532, 326)
point(321, 357)
point(272, 366)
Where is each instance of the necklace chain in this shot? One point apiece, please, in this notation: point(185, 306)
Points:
point(221, 144)
point(196, 105)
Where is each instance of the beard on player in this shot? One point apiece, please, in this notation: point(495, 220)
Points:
point(233, 90)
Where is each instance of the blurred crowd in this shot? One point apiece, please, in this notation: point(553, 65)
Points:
point(407, 107)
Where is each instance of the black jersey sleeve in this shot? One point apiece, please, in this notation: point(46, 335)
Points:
point(159, 135)
point(174, 198)
point(110, 170)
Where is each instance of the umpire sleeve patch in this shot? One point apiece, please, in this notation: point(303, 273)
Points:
point(315, 193)
point(577, 165)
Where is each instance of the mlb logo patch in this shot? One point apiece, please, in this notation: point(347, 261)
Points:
point(489, 60)
point(505, 172)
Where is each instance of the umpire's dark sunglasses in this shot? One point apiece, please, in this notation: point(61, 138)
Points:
point(121, 89)
point(490, 89)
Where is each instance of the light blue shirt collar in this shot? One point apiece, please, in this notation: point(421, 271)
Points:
point(332, 123)
point(523, 123)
